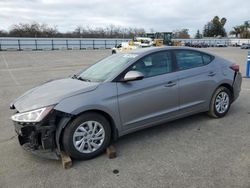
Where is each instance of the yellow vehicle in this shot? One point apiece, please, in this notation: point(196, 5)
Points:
point(158, 42)
point(177, 43)
point(160, 38)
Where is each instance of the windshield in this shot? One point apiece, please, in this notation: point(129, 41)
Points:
point(106, 68)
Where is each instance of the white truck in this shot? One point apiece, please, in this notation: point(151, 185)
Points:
point(137, 42)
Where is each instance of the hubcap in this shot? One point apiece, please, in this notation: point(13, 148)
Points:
point(88, 137)
point(222, 102)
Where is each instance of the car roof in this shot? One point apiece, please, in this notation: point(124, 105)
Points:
point(148, 50)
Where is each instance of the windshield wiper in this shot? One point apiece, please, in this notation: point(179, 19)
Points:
point(75, 76)
point(83, 79)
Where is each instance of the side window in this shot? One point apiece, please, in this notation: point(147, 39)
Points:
point(154, 64)
point(207, 59)
point(187, 59)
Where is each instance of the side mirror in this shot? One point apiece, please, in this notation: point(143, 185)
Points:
point(133, 75)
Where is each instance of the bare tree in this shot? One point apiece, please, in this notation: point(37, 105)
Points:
point(35, 29)
point(181, 34)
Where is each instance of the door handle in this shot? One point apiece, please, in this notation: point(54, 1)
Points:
point(170, 84)
point(211, 73)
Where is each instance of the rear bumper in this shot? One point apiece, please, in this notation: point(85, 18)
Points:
point(37, 139)
point(237, 85)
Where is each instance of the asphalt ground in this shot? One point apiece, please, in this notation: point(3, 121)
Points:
point(196, 151)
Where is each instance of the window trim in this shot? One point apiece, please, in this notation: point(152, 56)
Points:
point(196, 51)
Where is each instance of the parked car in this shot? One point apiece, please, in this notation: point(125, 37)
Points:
point(219, 44)
point(197, 44)
point(245, 46)
point(120, 94)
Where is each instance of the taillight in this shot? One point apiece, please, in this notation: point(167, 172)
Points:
point(235, 67)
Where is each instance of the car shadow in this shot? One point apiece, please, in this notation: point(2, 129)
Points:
point(138, 138)
point(194, 122)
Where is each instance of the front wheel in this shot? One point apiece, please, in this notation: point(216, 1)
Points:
point(220, 102)
point(86, 136)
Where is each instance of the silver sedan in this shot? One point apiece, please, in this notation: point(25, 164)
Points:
point(121, 94)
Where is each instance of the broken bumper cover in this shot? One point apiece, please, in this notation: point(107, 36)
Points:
point(237, 84)
point(38, 139)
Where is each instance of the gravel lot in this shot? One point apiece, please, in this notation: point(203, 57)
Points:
point(192, 152)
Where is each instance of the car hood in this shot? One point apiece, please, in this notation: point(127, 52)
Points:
point(51, 93)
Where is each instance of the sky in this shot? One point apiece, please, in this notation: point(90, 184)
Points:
point(159, 15)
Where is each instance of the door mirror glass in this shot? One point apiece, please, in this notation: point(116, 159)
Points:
point(133, 75)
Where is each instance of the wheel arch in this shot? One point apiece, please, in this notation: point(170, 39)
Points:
point(114, 131)
point(211, 110)
point(229, 87)
point(67, 119)
point(222, 84)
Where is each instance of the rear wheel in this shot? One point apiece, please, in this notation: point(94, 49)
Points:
point(86, 136)
point(220, 102)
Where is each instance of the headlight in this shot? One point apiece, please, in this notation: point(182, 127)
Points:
point(32, 116)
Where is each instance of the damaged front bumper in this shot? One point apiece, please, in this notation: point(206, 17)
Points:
point(38, 138)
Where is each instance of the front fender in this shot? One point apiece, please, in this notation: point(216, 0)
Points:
point(61, 125)
point(104, 99)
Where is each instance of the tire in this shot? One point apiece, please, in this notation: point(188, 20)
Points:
point(215, 109)
point(79, 139)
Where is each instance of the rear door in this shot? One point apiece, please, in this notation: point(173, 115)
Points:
point(153, 98)
point(197, 77)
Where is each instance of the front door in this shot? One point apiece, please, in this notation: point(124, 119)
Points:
point(152, 99)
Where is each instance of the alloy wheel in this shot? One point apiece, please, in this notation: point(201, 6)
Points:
point(222, 102)
point(88, 137)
